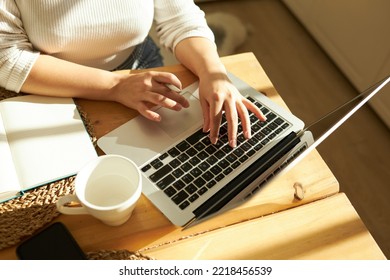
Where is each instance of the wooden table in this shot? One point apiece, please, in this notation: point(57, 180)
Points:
point(273, 224)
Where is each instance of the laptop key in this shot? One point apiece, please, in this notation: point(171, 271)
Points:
point(178, 185)
point(194, 161)
point(146, 168)
point(212, 160)
point(227, 171)
point(203, 155)
point(183, 157)
point(227, 149)
point(187, 178)
point(199, 146)
point(284, 126)
point(196, 172)
point(206, 141)
point(174, 152)
point(174, 163)
point(170, 191)
point(219, 177)
point(236, 164)
point(250, 152)
point(180, 197)
point(264, 110)
point(216, 169)
point(231, 158)
point(245, 146)
point(208, 176)
point(220, 154)
point(177, 173)
point(243, 158)
point(196, 137)
point(186, 167)
point(163, 156)
point(238, 152)
point(182, 146)
point(166, 181)
point(193, 197)
point(223, 164)
point(159, 174)
point(211, 184)
point(271, 116)
point(184, 205)
point(191, 189)
point(279, 121)
point(191, 152)
point(156, 164)
point(279, 130)
point(266, 130)
point(202, 190)
point(199, 182)
point(204, 166)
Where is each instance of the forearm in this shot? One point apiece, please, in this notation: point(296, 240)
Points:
point(217, 93)
point(55, 77)
point(200, 56)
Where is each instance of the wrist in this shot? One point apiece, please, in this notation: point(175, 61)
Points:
point(112, 86)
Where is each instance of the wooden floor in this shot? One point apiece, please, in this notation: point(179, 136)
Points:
point(358, 153)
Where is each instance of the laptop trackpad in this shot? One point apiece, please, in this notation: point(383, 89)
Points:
point(175, 123)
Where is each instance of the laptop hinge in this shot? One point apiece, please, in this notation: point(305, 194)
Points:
point(238, 184)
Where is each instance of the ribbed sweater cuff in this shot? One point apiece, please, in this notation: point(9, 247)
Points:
point(21, 70)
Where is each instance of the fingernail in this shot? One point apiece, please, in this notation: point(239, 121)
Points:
point(178, 107)
point(214, 140)
point(247, 134)
point(233, 143)
point(173, 88)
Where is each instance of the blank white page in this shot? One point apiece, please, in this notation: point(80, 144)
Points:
point(47, 138)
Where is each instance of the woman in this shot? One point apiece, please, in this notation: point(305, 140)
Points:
point(68, 48)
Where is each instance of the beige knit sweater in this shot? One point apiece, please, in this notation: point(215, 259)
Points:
point(96, 33)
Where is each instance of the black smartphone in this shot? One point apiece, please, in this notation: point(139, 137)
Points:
point(52, 243)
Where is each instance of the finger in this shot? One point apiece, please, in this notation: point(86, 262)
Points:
point(166, 78)
point(232, 120)
point(145, 111)
point(245, 120)
point(206, 115)
point(177, 97)
point(163, 101)
point(215, 120)
point(254, 109)
point(171, 90)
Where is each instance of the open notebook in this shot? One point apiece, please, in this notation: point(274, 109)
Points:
point(187, 177)
point(42, 139)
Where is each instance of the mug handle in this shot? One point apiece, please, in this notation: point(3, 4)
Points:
point(61, 205)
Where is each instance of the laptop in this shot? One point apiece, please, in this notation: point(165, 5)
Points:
point(188, 179)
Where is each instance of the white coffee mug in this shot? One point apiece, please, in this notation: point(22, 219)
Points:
point(107, 188)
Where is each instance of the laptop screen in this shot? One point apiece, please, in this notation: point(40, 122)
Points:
point(326, 125)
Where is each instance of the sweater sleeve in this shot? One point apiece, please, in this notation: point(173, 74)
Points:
point(179, 19)
point(16, 52)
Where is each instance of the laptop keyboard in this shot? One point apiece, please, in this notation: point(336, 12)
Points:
point(192, 167)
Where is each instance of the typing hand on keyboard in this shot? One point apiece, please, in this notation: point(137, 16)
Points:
point(193, 166)
point(218, 95)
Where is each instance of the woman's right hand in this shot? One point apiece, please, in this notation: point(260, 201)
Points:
point(143, 91)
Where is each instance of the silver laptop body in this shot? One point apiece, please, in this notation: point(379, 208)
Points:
point(186, 177)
